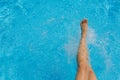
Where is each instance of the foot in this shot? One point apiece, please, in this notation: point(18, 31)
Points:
point(84, 26)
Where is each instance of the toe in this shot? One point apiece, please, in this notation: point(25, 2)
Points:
point(84, 21)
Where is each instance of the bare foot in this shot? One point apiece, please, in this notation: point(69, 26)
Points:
point(84, 26)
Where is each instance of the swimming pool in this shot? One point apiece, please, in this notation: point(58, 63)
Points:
point(39, 38)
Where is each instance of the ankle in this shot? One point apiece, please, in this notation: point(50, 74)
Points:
point(83, 35)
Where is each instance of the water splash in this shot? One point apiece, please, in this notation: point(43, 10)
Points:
point(91, 37)
point(71, 47)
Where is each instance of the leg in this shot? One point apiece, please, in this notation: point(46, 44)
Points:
point(82, 57)
point(85, 72)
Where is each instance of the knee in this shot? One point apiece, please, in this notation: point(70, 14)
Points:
point(83, 66)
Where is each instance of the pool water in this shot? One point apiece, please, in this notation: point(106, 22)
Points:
point(39, 38)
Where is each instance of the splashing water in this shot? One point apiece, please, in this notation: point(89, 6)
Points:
point(39, 39)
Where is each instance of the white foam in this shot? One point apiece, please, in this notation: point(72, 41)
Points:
point(50, 20)
point(91, 36)
point(72, 46)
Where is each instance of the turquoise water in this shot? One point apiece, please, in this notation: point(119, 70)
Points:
point(39, 38)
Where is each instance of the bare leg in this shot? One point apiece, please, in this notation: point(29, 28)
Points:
point(82, 57)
